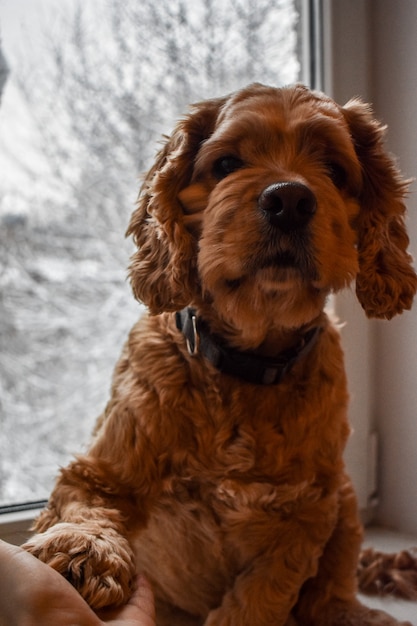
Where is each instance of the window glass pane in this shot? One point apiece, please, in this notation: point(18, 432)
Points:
point(91, 87)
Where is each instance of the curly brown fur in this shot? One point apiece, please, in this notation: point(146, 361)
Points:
point(232, 496)
point(388, 574)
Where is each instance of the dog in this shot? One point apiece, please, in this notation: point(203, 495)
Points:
point(217, 466)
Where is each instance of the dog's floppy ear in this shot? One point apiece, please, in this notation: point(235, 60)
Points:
point(386, 282)
point(163, 270)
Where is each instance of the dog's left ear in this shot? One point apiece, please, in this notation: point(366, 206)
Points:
point(386, 282)
point(163, 270)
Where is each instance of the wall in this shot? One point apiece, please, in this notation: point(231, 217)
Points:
point(370, 49)
point(346, 73)
point(394, 88)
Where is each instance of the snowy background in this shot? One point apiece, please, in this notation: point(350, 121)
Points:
point(91, 88)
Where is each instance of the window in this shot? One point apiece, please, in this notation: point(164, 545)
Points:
point(91, 87)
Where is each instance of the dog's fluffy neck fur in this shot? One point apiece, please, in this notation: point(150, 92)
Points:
point(281, 339)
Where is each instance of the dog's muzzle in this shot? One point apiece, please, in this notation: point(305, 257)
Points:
point(288, 206)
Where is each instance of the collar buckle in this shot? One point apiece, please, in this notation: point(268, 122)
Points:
point(192, 338)
point(186, 322)
point(245, 365)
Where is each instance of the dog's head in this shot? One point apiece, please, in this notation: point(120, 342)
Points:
point(262, 203)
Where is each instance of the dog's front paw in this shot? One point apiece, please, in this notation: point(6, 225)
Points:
point(95, 559)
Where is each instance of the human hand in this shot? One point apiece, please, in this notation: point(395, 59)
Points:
point(139, 611)
point(32, 593)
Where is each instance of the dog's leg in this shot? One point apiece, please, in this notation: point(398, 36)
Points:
point(329, 599)
point(93, 556)
point(267, 590)
point(253, 602)
point(83, 537)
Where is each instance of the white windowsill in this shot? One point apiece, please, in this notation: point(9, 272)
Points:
point(15, 527)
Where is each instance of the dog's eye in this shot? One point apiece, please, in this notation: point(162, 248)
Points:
point(225, 166)
point(337, 174)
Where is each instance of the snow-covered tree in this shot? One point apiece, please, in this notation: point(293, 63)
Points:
point(117, 74)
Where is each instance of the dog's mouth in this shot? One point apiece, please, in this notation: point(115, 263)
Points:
point(286, 261)
point(281, 260)
point(277, 269)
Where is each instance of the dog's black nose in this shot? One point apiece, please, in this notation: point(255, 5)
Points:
point(288, 206)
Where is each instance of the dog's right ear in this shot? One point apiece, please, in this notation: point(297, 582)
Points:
point(163, 270)
point(386, 282)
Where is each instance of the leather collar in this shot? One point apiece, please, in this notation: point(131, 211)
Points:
point(241, 364)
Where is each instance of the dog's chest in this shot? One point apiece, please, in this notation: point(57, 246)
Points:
point(236, 473)
point(241, 460)
point(213, 493)
point(264, 440)
point(200, 535)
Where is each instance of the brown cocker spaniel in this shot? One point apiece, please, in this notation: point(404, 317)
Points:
point(217, 467)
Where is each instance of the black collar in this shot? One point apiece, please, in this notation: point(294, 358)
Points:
point(246, 365)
